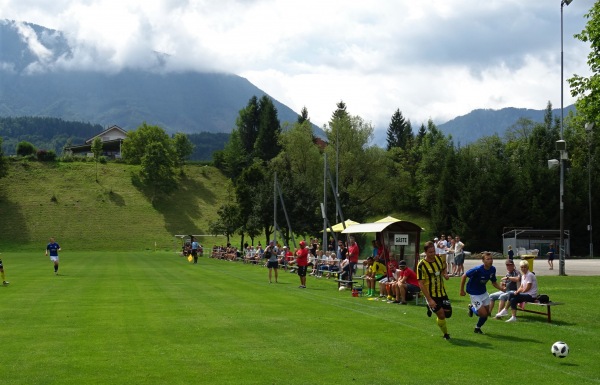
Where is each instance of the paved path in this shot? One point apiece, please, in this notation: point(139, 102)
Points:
point(540, 266)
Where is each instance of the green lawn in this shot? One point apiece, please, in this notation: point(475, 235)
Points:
point(154, 318)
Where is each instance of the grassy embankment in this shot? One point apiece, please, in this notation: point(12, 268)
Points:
point(39, 200)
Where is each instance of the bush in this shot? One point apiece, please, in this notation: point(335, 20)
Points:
point(46, 156)
point(25, 148)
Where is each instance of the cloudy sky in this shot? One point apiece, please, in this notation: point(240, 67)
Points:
point(429, 58)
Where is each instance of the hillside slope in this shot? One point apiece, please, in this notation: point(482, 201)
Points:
point(39, 200)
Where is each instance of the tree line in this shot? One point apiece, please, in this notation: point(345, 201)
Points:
point(477, 191)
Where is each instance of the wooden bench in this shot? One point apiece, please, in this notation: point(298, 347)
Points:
point(346, 283)
point(545, 306)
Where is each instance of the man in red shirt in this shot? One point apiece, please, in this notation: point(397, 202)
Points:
point(353, 253)
point(302, 263)
point(407, 283)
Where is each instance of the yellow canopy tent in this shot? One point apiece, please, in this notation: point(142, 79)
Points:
point(340, 226)
point(388, 219)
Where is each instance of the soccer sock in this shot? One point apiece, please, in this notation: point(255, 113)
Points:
point(481, 321)
point(55, 268)
point(474, 311)
point(442, 325)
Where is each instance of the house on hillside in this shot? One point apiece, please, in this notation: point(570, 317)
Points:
point(112, 138)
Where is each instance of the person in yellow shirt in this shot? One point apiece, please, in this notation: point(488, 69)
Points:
point(375, 271)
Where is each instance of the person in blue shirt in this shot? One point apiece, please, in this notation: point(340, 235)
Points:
point(195, 247)
point(476, 287)
point(53, 248)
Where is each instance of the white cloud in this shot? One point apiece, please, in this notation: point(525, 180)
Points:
point(431, 59)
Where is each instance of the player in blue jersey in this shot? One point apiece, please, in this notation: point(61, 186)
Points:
point(476, 287)
point(53, 248)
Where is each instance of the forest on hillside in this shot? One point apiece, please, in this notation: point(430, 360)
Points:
point(48, 133)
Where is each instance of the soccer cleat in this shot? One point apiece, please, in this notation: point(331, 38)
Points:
point(470, 311)
point(512, 319)
point(5, 283)
point(477, 331)
point(447, 337)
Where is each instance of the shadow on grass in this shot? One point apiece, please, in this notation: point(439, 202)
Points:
point(181, 210)
point(116, 198)
point(13, 225)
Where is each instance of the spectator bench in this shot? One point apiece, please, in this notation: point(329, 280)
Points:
point(346, 283)
point(542, 308)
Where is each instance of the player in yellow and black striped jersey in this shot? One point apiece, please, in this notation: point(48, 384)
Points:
point(431, 273)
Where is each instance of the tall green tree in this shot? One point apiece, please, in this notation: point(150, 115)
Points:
point(247, 123)
point(267, 144)
point(134, 146)
point(587, 89)
point(183, 148)
point(227, 222)
point(303, 117)
point(97, 151)
point(157, 172)
point(399, 133)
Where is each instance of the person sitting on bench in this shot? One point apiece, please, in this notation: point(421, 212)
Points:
point(527, 291)
point(407, 283)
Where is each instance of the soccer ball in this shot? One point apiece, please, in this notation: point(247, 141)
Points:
point(560, 349)
point(342, 288)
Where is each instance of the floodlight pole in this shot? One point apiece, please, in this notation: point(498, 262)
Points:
point(588, 128)
point(561, 252)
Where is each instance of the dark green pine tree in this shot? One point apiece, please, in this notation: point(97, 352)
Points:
point(303, 117)
point(247, 124)
point(267, 144)
point(399, 133)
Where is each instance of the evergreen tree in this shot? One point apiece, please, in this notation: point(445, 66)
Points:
point(303, 117)
point(248, 123)
point(399, 133)
point(267, 144)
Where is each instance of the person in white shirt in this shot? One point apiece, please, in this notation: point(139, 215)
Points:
point(442, 245)
point(527, 291)
point(459, 257)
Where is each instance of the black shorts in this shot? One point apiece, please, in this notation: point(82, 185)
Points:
point(442, 302)
point(412, 288)
point(273, 264)
point(302, 271)
point(194, 252)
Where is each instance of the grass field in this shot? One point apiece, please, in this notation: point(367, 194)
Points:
point(154, 318)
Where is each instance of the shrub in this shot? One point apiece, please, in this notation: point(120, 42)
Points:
point(46, 156)
point(25, 148)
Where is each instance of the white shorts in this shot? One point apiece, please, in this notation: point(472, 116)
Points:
point(480, 300)
point(54, 258)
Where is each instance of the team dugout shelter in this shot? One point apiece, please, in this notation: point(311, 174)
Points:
point(402, 238)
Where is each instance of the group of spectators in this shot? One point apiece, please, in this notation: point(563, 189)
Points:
point(443, 258)
point(452, 250)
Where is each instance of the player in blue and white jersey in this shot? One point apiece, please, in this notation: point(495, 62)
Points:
point(53, 248)
point(476, 287)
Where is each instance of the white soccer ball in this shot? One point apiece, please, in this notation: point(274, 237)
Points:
point(342, 288)
point(560, 349)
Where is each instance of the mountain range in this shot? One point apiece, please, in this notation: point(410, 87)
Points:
point(190, 102)
point(33, 83)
